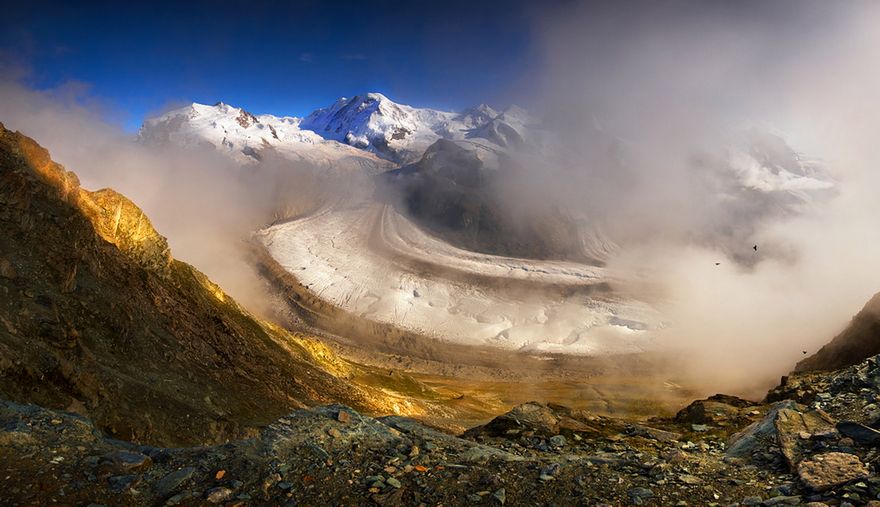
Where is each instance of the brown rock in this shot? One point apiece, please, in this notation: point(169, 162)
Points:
point(792, 424)
point(343, 417)
point(6, 270)
point(717, 408)
point(832, 469)
point(218, 495)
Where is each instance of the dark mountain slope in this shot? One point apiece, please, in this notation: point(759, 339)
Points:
point(860, 340)
point(98, 318)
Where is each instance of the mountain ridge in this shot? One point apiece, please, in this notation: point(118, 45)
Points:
point(101, 320)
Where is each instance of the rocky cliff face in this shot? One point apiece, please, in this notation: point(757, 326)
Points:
point(97, 317)
point(860, 339)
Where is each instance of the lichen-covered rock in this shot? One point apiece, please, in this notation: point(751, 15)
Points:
point(832, 469)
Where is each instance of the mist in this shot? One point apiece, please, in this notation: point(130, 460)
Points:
point(650, 103)
point(206, 205)
point(652, 99)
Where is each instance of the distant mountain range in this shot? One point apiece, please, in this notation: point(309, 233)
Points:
point(367, 127)
point(462, 155)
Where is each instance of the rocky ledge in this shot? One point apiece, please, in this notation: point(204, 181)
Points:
point(818, 448)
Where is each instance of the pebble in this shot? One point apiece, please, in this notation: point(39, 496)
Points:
point(500, 495)
point(639, 494)
point(558, 441)
point(218, 494)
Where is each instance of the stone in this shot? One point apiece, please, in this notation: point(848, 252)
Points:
point(500, 495)
point(122, 461)
point(7, 270)
point(689, 479)
point(638, 495)
point(394, 483)
point(550, 472)
point(783, 500)
point(781, 428)
point(218, 495)
point(343, 416)
point(829, 470)
point(528, 416)
point(717, 408)
point(558, 441)
point(172, 481)
point(178, 498)
point(653, 433)
point(860, 433)
point(791, 423)
point(699, 428)
point(120, 483)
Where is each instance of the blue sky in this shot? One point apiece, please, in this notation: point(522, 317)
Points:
point(271, 57)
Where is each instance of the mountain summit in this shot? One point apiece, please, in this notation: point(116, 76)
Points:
point(246, 137)
point(397, 132)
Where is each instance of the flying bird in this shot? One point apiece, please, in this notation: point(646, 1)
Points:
point(755, 248)
point(717, 263)
point(804, 351)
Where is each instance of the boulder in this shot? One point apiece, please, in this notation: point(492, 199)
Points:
point(829, 470)
point(715, 409)
point(860, 433)
point(789, 426)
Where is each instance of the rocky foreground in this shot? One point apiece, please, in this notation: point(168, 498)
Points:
point(818, 446)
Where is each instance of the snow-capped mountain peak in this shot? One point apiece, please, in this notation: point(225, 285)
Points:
point(394, 131)
point(244, 136)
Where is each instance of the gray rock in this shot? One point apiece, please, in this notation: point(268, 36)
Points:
point(653, 433)
point(172, 481)
point(859, 432)
point(783, 500)
point(639, 493)
point(394, 483)
point(178, 498)
point(500, 495)
point(120, 483)
point(558, 441)
point(550, 472)
point(122, 461)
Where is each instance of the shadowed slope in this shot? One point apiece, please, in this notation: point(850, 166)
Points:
point(860, 340)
